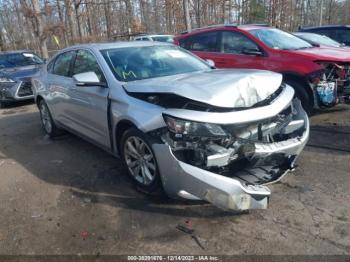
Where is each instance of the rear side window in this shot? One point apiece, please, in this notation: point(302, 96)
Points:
point(236, 43)
point(62, 64)
point(207, 42)
point(86, 62)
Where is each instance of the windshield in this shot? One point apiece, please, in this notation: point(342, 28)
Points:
point(319, 39)
point(136, 63)
point(19, 59)
point(278, 39)
point(166, 38)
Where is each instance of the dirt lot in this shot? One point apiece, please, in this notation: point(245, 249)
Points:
point(66, 197)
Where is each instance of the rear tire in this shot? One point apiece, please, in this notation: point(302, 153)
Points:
point(302, 94)
point(139, 160)
point(47, 122)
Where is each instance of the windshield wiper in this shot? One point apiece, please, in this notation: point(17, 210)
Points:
point(305, 47)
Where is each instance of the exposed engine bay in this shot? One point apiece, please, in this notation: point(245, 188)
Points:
point(334, 85)
point(224, 136)
point(255, 153)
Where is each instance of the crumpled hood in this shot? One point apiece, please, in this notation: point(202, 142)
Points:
point(20, 72)
point(222, 88)
point(326, 53)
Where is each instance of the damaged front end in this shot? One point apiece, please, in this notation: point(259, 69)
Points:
point(333, 85)
point(228, 158)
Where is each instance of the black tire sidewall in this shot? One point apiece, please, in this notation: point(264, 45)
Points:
point(302, 95)
point(54, 130)
point(155, 185)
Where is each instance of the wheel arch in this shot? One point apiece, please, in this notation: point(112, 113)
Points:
point(38, 99)
point(292, 76)
point(119, 130)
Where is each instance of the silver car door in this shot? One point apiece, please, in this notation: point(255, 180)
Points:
point(88, 104)
point(58, 84)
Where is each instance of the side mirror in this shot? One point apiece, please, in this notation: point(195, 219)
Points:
point(88, 79)
point(255, 52)
point(210, 62)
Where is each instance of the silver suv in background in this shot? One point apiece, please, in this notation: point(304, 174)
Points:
point(177, 123)
point(16, 70)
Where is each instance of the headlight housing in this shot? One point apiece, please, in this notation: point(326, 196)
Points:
point(182, 127)
point(6, 80)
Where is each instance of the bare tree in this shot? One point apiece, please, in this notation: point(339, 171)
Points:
point(187, 15)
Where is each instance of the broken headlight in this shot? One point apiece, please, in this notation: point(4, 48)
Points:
point(182, 127)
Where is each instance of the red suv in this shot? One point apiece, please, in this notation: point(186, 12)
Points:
point(320, 76)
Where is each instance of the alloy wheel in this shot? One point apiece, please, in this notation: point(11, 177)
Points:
point(140, 160)
point(45, 118)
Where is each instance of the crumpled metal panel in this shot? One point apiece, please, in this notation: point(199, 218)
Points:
point(232, 88)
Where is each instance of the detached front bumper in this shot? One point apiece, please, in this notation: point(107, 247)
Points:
point(183, 180)
point(233, 192)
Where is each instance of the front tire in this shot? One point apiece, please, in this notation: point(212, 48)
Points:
point(47, 122)
point(139, 159)
point(302, 94)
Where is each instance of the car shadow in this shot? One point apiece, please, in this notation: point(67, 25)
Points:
point(18, 104)
point(87, 171)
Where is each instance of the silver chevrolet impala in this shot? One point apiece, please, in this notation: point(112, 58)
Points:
point(175, 120)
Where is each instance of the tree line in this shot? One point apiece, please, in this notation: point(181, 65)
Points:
point(49, 25)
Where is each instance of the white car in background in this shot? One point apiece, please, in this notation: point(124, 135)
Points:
point(157, 38)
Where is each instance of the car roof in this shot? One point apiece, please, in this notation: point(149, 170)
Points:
point(16, 52)
point(121, 44)
point(155, 35)
point(325, 27)
point(245, 27)
point(305, 33)
point(255, 26)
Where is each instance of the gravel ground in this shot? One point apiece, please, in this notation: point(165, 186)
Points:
point(69, 197)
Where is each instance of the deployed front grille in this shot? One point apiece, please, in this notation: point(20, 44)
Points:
point(25, 89)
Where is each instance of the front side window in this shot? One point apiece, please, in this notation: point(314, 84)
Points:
point(86, 62)
point(236, 43)
point(279, 39)
point(207, 42)
point(136, 63)
point(62, 64)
